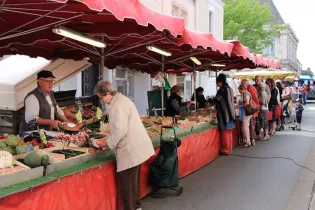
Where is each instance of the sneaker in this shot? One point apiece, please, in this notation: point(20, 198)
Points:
point(253, 142)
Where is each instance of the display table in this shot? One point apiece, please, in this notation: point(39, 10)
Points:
point(94, 186)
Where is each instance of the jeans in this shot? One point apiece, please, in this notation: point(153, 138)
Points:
point(304, 98)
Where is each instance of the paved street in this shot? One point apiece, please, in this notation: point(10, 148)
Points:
point(236, 183)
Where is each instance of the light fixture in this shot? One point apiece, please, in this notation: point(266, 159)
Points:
point(159, 51)
point(195, 60)
point(78, 36)
point(218, 65)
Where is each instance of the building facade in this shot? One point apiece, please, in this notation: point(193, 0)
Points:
point(200, 15)
point(285, 45)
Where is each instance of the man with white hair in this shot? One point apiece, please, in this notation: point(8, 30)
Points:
point(130, 141)
point(258, 81)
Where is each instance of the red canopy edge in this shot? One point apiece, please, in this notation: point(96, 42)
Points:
point(205, 40)
point(240, 50)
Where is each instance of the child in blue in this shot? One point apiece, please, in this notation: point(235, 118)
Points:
point(298, 110)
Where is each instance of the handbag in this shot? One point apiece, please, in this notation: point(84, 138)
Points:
point(251, 108)
point(287, 97)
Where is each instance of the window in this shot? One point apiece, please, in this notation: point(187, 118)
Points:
point(179, 12)
point(210, 21)
point(271, 50)
point(124, 82)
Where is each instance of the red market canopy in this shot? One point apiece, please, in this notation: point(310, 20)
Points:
point(26, 26)
point(127, 27)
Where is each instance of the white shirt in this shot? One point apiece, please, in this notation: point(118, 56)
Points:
point(32, 108)
point(278, 96)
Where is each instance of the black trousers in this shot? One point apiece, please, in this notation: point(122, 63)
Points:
point(129, 187)
point(299, 118)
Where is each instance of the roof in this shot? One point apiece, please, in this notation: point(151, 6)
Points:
point(274, 10)
point(306, 72)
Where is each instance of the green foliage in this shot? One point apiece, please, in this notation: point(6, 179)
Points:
point(249, 22)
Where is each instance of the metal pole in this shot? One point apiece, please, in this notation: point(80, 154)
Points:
point(101, 74)
point(216, 76)
point(195, 86)
point(162, 90)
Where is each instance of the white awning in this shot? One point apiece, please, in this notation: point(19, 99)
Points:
point(19, 76)
point(16, 68)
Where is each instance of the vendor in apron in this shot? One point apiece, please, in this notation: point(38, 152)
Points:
point(41, 108)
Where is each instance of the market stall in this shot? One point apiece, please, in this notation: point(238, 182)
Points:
point(76, 187)
point(64, 170)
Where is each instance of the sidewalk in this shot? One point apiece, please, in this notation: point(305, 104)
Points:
point(235, 183)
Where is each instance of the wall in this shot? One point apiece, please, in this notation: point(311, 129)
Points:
point(73, 83)
point(288, 53)
point(140, 91)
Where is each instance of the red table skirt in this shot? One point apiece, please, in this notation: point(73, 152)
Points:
point(96, 188)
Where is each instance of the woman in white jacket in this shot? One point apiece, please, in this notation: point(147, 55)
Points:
point(129, 140)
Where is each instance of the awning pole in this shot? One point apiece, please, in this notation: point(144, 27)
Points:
point(162, 90)
point(101, 74)
point(216, 76)
point(195, 98)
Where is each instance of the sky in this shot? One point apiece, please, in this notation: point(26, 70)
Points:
point(300, 14)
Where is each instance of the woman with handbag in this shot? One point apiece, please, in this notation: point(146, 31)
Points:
point(287, 101)
point(273, 103)
point(263, 114)
point(246, 104)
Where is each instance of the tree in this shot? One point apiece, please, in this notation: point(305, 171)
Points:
point(249, 22)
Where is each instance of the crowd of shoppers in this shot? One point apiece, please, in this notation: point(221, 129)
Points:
point(273, 102)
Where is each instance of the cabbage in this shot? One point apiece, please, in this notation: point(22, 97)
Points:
point(12, 141)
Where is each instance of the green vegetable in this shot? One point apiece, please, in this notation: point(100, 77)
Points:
point(45, 160)
point(2, 145)
point(42, 136)
point(79, 117)
point(32, 160)
point(20, 150)
point(182, 118)
point(96, 136)
point(12, 141)
point(9, 150)
point(68, 153)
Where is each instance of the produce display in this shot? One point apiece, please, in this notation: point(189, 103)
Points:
point(153, 125)
point(69, 153)
point(36, 149)
point(12, 141)
point(78, 138)
point(6, 159)
point(32, 160)
point(12, 145)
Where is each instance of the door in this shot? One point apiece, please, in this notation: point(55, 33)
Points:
point(89, 80)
